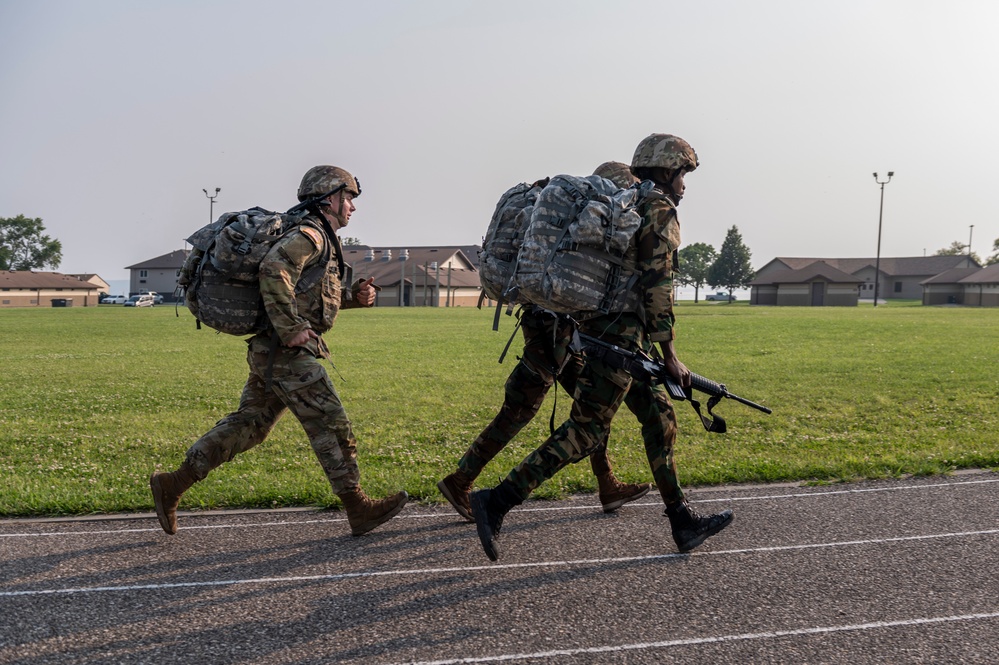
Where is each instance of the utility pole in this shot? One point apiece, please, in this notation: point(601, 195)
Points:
point(877, 261)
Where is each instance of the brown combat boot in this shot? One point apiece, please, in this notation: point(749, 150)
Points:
point(614, 494)
point(167, 489)
point(456, 489)
point(363, 514)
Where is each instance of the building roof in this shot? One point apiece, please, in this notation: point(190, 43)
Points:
point(952, 276)
point(818, 269)
point(28, 279)
point(897, 267)
point(987, 275)
point(172, 261)
point(388, 272)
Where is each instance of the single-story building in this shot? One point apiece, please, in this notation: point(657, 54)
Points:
point(93, 279)
point(945, 288)
point(430, 276)
point(27, 288)
point(897, 277)
point(964, 286)
point(817, 284)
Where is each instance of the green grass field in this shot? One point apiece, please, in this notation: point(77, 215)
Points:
point(94, 399)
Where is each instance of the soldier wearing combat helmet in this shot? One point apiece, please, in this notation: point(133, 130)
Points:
point(285, 368)
point(604, 385)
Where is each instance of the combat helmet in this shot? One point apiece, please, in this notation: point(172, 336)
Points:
point(618, 173)
point(664, 151)
point(322, 181)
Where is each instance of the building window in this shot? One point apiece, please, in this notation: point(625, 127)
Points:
point(143, 273)
point(898, 287)
point(6, 302)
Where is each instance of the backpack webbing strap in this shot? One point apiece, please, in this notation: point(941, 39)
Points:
point(512, 335)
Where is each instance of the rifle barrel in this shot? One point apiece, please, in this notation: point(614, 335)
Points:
point(743, 400)
point(710, 387)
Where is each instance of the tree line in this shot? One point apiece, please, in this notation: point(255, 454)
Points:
point(729, 269)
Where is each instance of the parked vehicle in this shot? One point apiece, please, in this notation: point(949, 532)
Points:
point(114, 300)
point(720, 296)
point(157, 298)
point(144, 300)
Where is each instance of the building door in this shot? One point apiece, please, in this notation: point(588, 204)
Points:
point(818, 293)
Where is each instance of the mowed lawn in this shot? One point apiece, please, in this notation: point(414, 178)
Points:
point(92, 400)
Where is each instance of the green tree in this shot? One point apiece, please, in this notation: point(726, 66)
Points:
point(24, 245)
point(995, 253)
point(958, 248)
point(351, 241)
point(732, 268)
point(694, 264)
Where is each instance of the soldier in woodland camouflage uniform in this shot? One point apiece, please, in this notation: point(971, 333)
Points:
point(603, 386)
point(285, 368)
point(547, 357)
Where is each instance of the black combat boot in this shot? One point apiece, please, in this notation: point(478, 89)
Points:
point(690, 529)
point(489, 507)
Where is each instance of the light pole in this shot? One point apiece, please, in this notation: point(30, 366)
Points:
point(877, 261)
point(211, 203)
point(403, 257)
point(971, 231)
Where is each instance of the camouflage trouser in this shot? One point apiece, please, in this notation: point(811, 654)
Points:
point(546, 354)
point(600, 391)
point(298, 383)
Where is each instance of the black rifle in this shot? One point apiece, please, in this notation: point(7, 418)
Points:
point(646, 368)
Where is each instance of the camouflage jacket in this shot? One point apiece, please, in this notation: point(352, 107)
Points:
point(654, 247)
point(315, 308)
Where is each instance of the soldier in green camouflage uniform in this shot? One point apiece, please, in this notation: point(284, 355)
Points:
point(546, 357)
point(285, 363)
point(602, 386)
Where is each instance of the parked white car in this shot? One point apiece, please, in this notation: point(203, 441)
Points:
point(114, 300)
point(145, 300)
point(719, 295)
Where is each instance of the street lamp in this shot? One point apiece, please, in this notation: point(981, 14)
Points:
point(403, 257)
point(877, 261)
point(971, 231)
point(211, 203)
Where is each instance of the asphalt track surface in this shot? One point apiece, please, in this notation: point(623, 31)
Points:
point(901, 571)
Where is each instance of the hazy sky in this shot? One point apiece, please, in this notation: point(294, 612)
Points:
point(114, 115)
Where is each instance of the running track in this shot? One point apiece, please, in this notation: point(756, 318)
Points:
point(900, 571)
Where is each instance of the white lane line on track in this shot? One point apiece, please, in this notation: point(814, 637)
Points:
point(451, 515)
point(818, 630)
point(509, 566)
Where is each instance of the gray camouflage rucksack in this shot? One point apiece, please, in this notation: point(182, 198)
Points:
point(220, 277)
point(571, 237)
point(504, 236)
